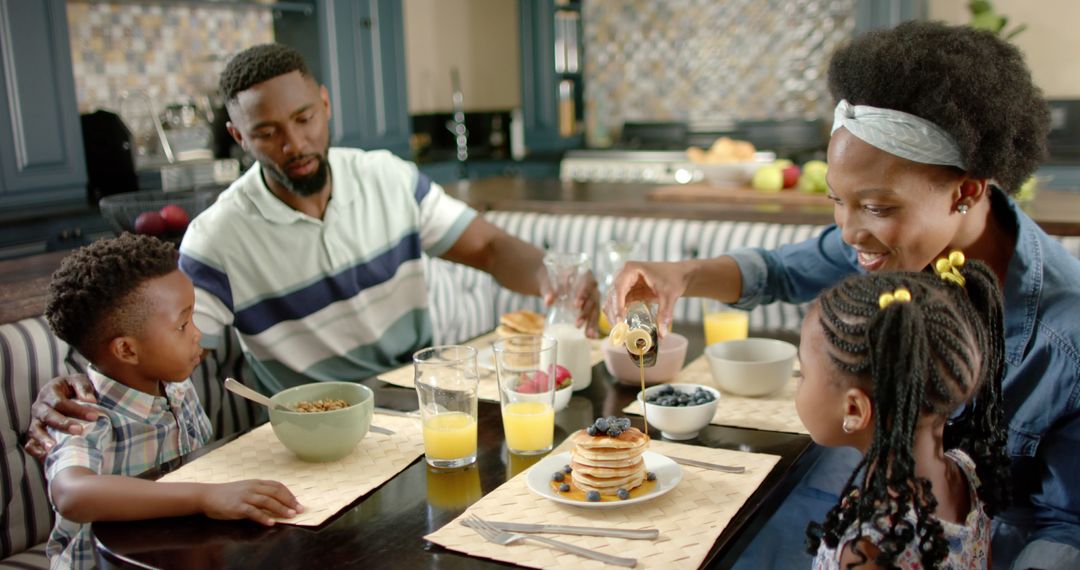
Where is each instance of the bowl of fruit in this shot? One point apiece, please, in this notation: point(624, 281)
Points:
point(563, 386)
point(680, 411)
point(165, 215)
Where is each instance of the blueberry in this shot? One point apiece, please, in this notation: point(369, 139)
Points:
point(623, 494)
point(566, 469)
point(665, 390)
point(650, 476)
point(591, 430)
point(601, 425)
point(558, 477)
point(592, 496)
point(614, 432)
point(565, 487)
point(624, 423)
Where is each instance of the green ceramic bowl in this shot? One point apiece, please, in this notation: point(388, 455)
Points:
point(323, 436)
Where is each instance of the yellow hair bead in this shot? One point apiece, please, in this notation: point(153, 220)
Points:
point(949, 268)
point(901, 295)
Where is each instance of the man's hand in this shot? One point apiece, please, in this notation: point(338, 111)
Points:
point(253, 499)
point(57, 403)
point(587, 301)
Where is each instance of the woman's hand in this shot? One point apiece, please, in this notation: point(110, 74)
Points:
point(58, 401)
point(258, 500)
point(659, 282)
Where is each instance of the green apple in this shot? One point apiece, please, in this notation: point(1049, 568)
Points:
point(768, 178)
point(812, 180)
point(1027, 190)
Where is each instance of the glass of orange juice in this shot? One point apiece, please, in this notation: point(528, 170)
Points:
point(723, 322)
point(525, 366)
point(446, 383)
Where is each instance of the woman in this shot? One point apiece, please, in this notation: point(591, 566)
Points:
point(935, 126)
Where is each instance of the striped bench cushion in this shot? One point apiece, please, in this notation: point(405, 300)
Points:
point(30, 356)
point(664, 239)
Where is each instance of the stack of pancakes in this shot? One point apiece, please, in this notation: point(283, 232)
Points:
point(519, 323)
point(607, 464)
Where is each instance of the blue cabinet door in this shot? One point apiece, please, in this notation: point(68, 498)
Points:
point(362, 49)
point(42, 164)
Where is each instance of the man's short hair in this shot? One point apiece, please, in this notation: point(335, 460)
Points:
point(91, 298)
point(257, 64)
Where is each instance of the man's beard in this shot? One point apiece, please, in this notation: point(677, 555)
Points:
point(303, 185)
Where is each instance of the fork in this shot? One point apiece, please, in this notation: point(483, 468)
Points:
point(492, 534)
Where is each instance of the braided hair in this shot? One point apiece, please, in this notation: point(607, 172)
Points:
point(942, 350)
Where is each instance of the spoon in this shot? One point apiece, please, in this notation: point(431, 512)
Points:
point(239, 389)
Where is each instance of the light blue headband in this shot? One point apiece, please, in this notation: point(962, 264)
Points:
point(898, 133)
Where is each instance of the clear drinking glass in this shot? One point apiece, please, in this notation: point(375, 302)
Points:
point(613, 255)
point(446, 382)
point(723, 322)
point(525, 366)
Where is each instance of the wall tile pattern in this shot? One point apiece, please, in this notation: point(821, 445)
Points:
point(709, 60)
point(174, 53)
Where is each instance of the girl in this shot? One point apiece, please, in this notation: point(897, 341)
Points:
point(973, 128)
point(887, 358)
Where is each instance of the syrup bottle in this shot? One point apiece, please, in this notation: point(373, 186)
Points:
point(638, 333)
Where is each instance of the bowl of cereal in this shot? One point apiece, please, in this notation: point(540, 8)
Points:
point(322, 421)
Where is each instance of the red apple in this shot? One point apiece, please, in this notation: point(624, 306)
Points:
point(150, 223)
point(176, 219)
point(791, 176)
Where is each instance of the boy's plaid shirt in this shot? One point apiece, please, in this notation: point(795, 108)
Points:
point(134, 432)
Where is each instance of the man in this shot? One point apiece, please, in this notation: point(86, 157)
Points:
point(314, 254)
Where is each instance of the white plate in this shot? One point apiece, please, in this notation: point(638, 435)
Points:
point(485, 358)
point(668, 475)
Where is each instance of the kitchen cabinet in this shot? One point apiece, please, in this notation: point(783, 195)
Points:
point(362, 64)
point(42, 165)
point(548, 80)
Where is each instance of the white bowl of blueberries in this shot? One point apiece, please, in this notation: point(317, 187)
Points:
point(679, 411)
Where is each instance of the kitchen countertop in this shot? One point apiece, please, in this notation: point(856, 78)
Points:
point(1057, 212)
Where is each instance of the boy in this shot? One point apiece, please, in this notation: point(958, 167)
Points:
point(125, 306)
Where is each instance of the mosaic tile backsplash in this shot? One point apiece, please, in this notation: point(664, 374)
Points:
point(708, 60)
point(174, 53)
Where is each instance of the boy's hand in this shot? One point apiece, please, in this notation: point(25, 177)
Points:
point(57, 403)
point(253, 499)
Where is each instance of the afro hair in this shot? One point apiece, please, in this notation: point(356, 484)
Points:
point(969, 82)
point(90, 299)
point(257, 64)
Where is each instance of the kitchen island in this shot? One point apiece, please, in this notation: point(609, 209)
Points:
point(1056, 211)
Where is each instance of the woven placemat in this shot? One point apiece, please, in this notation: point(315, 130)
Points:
point(322, 488)
point(690, 517)
point(489, 383)
point(773, 412)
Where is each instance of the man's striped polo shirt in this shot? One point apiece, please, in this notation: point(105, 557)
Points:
point(340, 298)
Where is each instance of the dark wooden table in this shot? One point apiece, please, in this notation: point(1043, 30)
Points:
point(384, 528)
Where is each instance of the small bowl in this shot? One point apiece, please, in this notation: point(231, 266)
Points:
point(562, 397)
point(679, 422)
point(323, 436)
point(751, 367)
point(669, 361)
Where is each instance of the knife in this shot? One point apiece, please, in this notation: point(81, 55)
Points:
point(644, 534)
point(381, 430)
point(704, 465)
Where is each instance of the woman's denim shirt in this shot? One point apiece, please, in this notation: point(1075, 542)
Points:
point(1042, 353)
